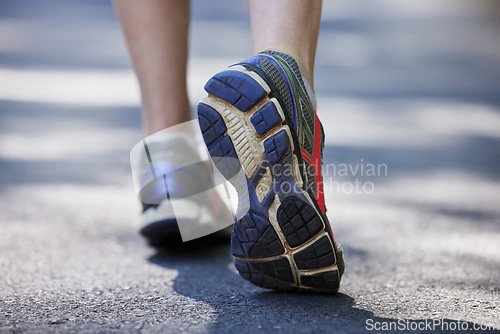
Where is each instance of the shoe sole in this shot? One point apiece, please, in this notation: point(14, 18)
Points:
point(282, 242)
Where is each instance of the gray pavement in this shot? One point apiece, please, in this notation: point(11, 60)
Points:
point(410, 85)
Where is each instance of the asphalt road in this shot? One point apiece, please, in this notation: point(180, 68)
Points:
point(412, 87)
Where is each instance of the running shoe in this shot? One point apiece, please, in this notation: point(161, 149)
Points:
point(259, 119)
point(176, 188)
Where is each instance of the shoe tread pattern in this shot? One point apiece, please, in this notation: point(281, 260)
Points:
point(269, 274)
point(266, 118)
point(254, 237)
point(298, 221)
point(317, 255)
point(219, 145)
point(236, 88)
point(327, 281)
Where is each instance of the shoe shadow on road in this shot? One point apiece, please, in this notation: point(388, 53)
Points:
point(206, 274)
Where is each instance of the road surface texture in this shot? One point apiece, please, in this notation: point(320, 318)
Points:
point(411, 88)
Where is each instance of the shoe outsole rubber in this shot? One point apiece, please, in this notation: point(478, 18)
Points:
point(282, 242)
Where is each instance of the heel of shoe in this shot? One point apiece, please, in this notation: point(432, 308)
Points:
point(297, 253)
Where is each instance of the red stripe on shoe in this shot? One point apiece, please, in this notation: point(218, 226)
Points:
point(306, 156)
point(320, 196)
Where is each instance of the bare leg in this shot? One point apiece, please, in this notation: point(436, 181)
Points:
point(157, 32)
point(288, 26)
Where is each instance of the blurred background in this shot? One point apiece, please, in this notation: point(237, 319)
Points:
point(412, 85)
